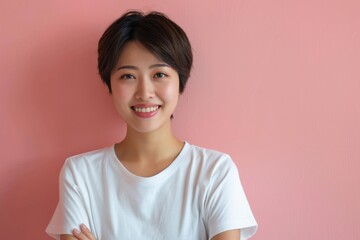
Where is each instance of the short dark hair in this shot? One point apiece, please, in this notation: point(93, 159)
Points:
point(156, 32)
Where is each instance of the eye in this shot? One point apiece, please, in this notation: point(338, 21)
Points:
point(127, 76)
point(160, 75)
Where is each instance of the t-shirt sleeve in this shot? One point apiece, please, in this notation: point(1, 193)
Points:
point(70, 211)
point(226, 206)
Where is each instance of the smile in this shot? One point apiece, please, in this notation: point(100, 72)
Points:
point(146, 109)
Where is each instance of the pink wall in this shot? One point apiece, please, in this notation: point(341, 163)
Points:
point(275, 83)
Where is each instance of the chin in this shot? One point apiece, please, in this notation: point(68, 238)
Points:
point(147, 128)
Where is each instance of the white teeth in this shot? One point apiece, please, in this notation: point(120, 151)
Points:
point(148, 109)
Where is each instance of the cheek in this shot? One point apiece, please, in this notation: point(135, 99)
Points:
point(119, 91)
point(121, 101)
point(121, 97)
point(171, 92)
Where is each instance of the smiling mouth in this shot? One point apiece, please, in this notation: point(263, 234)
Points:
point(145, 109)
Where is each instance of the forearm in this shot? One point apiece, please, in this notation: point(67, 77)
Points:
point(67, 237)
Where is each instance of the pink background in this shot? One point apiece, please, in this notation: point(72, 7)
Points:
point(275, 83)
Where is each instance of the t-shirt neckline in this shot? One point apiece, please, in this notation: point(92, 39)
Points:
point(155, 179)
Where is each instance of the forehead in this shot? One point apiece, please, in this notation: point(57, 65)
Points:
point(134, 53)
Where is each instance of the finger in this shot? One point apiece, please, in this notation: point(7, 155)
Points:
point(79, 235)
point(85, 230)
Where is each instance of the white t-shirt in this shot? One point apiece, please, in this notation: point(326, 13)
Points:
point(198, 196)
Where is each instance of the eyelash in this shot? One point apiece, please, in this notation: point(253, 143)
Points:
point(126, 76)
point(160, 73)
point(156, 75)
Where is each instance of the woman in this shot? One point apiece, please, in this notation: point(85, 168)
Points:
point(150, 185)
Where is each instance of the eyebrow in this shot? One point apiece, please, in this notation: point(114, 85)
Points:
point(136, 68)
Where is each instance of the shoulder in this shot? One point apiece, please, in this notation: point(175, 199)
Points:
point(210, 156)
point(211, 161)
point(87, 161)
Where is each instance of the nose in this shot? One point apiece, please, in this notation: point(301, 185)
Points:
point(145, 89)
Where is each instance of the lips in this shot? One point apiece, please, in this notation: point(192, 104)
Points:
point(145, 110)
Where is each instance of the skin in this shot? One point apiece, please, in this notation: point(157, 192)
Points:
point(141, 79)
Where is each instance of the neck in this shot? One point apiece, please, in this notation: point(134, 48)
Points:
point(149, 147)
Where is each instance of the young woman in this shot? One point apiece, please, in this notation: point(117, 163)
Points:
point(150, 185)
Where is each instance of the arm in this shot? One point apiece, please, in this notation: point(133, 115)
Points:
point(71, 209)
point(67, 237)
point(228, 235)
point(86, 235)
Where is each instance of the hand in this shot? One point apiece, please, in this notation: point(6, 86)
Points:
point(84, 233)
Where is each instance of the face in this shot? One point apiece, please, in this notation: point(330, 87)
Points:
point(145, 89)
